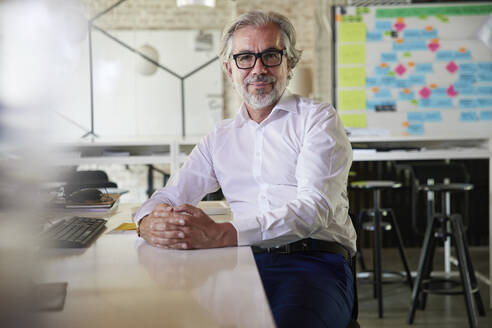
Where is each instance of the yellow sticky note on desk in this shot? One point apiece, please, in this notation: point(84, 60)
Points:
point(354, 120)
point(352, 76)
point(351, 100)
point(352, 32)
point(352, 54)
point(126, 226)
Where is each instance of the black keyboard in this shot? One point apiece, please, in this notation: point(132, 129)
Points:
point(77, 232)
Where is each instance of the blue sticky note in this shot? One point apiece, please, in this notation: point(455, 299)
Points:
point(415, 129)
point(384, 25)
point(484, 102)
point(374, 36)
point(383, 93)
point(409, 46)
point(468, 116)
point(467, 77)
point(462, 55)
point(416, 79)
point(429, 34)
point(467, 103)
point(467, 68)
point(485, 66)
point(432, 116)
point(411, 33)
point(415, 117)
point(486, 115)
point(371, 104)
point(465, 90)
point(372, 81)
point(406, 96)
point(441, 102)
point(403, 83)
point(440, 92)
point(484, 76)
point(389, 57)
point(484, 90)
point(444, 55)
point(387, 81)
point(425, 103)
point(423, 68)
point(378, 70)
point(461, 84)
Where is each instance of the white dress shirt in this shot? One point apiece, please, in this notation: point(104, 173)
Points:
point(285, 178)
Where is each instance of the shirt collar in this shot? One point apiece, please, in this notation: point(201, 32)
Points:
point(287, 102)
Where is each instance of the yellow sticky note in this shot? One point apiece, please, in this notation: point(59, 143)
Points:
point(127, 226)
point(354, 120)
point(352, 76)
point(352, 32)
point(352, 54)
point(351, 99)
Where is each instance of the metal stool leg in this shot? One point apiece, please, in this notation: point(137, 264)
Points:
point(400, 248)
point(473, 278)
point(377, 252)
point(457, 234)
point(429, 263)
point(422, 261)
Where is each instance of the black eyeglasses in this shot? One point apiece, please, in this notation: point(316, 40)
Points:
point(269, 58)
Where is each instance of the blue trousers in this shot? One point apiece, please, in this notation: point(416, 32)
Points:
point(312, 289)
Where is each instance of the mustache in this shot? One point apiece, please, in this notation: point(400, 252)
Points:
point(260, 78)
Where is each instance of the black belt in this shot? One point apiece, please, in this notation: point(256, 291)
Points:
point(306, 245)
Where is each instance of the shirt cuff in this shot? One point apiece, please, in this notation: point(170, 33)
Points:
point(248, 231)
point(145, 209)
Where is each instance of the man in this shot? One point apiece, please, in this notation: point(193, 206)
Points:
point(282, 164)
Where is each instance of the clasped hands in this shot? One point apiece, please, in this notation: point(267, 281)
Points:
point(185, 227)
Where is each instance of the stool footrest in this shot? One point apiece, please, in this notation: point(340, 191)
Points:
point(444, 286)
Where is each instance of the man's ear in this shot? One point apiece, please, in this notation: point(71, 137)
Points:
point(228, 69)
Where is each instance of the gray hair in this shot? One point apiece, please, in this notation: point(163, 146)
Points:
point(258, 18)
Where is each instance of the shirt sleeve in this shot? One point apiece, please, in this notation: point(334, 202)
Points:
point(188, 186)
point(321, 203)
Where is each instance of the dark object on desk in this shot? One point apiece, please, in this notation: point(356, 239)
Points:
point(50, 296)
point(82, 195)
point(87, 179)
point(77, 232)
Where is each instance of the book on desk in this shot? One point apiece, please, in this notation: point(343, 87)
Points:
point(105, 204)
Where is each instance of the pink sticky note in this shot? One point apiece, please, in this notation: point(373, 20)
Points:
point(433, 46)
point(451, 67)
point(425, 92)
point(451, 92)
point(400, 70)
point(399, 26)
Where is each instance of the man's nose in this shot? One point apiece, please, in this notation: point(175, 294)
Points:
point(259, 68)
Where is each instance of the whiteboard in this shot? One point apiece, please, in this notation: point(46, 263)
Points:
point(127, 103)
point(414, 70)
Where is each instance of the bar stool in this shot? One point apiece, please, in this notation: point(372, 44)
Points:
point(376, 225)
point(440, 227)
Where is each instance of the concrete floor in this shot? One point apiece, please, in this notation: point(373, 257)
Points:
point(441, 310)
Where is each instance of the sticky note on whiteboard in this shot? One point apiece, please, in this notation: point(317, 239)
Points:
point(486, 115)
point(352, 54)
point(415, 129)
point(468, 116)
point(434, 116)
point(352, 77)
point(354, 120)
point(352, 99)
point(352, 32)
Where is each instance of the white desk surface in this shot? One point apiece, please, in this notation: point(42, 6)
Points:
point(121, 281)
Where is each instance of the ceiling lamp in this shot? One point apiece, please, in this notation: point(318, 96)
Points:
point(207, 3)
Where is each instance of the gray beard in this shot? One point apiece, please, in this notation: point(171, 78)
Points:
point(262, 99)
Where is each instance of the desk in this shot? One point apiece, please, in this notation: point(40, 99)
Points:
point(120, 281)
point(432, 148)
